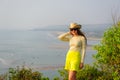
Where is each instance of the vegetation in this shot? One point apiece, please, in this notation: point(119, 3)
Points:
point(88, 73)
point(23, 74)
point(108, 53)
point(105, 67)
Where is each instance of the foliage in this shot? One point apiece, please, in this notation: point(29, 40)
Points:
point(3, 77)
point(108, 53)
point(56, 78)
point(88, 73)
point(25, 74)
point(63, 74)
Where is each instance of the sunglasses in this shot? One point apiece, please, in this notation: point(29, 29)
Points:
point(73, 29)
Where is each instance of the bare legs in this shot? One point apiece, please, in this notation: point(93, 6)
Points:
point(72, 75)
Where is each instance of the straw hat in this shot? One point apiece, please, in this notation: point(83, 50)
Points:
point(75, 25)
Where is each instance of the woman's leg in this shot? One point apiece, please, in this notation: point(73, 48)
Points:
point(72, 75)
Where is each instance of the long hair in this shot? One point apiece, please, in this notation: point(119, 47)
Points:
point(79, 32)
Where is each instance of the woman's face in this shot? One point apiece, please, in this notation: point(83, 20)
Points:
point(73, 31)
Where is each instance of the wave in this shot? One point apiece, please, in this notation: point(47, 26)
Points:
point(3, 61)
point(54, 34)
point(8, 62)
point(50, 67)
point(93, 38)
point(45, 67)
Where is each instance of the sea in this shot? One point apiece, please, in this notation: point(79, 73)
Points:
point(41, 50)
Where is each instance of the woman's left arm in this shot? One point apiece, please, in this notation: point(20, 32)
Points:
point(83, 49)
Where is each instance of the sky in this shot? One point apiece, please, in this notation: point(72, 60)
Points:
point(27, 14)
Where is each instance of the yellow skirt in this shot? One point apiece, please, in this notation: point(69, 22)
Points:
point(73, 60)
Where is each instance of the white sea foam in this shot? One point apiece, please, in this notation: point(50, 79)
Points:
point(3, 61)
point(54, 34)
point(93, 38)
point(8, 62)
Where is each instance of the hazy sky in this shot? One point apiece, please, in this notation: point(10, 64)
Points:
point(26, 14)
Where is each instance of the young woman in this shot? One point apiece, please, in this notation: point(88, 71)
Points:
point(76, 53)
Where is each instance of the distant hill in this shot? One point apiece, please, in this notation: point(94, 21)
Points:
point(52, 28)
point(93, 30)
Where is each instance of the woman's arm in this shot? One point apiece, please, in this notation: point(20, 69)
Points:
point(64, 36)
point(83, 49)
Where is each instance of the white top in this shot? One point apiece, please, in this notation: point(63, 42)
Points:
point(76, 43)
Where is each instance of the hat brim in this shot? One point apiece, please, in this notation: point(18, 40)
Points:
point(77, 26)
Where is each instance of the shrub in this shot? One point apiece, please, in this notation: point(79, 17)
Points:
point(25, 74)
point(3, 77)
point(108, 53)
point(64, 74)
point(89, 73)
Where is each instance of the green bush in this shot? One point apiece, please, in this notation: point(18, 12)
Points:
point(25, 74)
point(64, 74)
point(89, 73)
point(3, 77)
point(108, 53)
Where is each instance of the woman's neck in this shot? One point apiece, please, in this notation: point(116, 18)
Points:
point(75, 35)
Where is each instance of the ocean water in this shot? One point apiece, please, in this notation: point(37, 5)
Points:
point(40, 49)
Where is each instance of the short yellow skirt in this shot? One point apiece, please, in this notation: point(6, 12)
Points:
point(73, 60)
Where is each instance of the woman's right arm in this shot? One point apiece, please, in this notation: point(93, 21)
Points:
point(64, 36)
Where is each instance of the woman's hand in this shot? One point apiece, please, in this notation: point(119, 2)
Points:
point(81, 65)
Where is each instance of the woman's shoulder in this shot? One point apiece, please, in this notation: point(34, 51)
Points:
point(81, 36)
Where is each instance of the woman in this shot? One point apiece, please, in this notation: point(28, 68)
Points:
point(76, 53)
